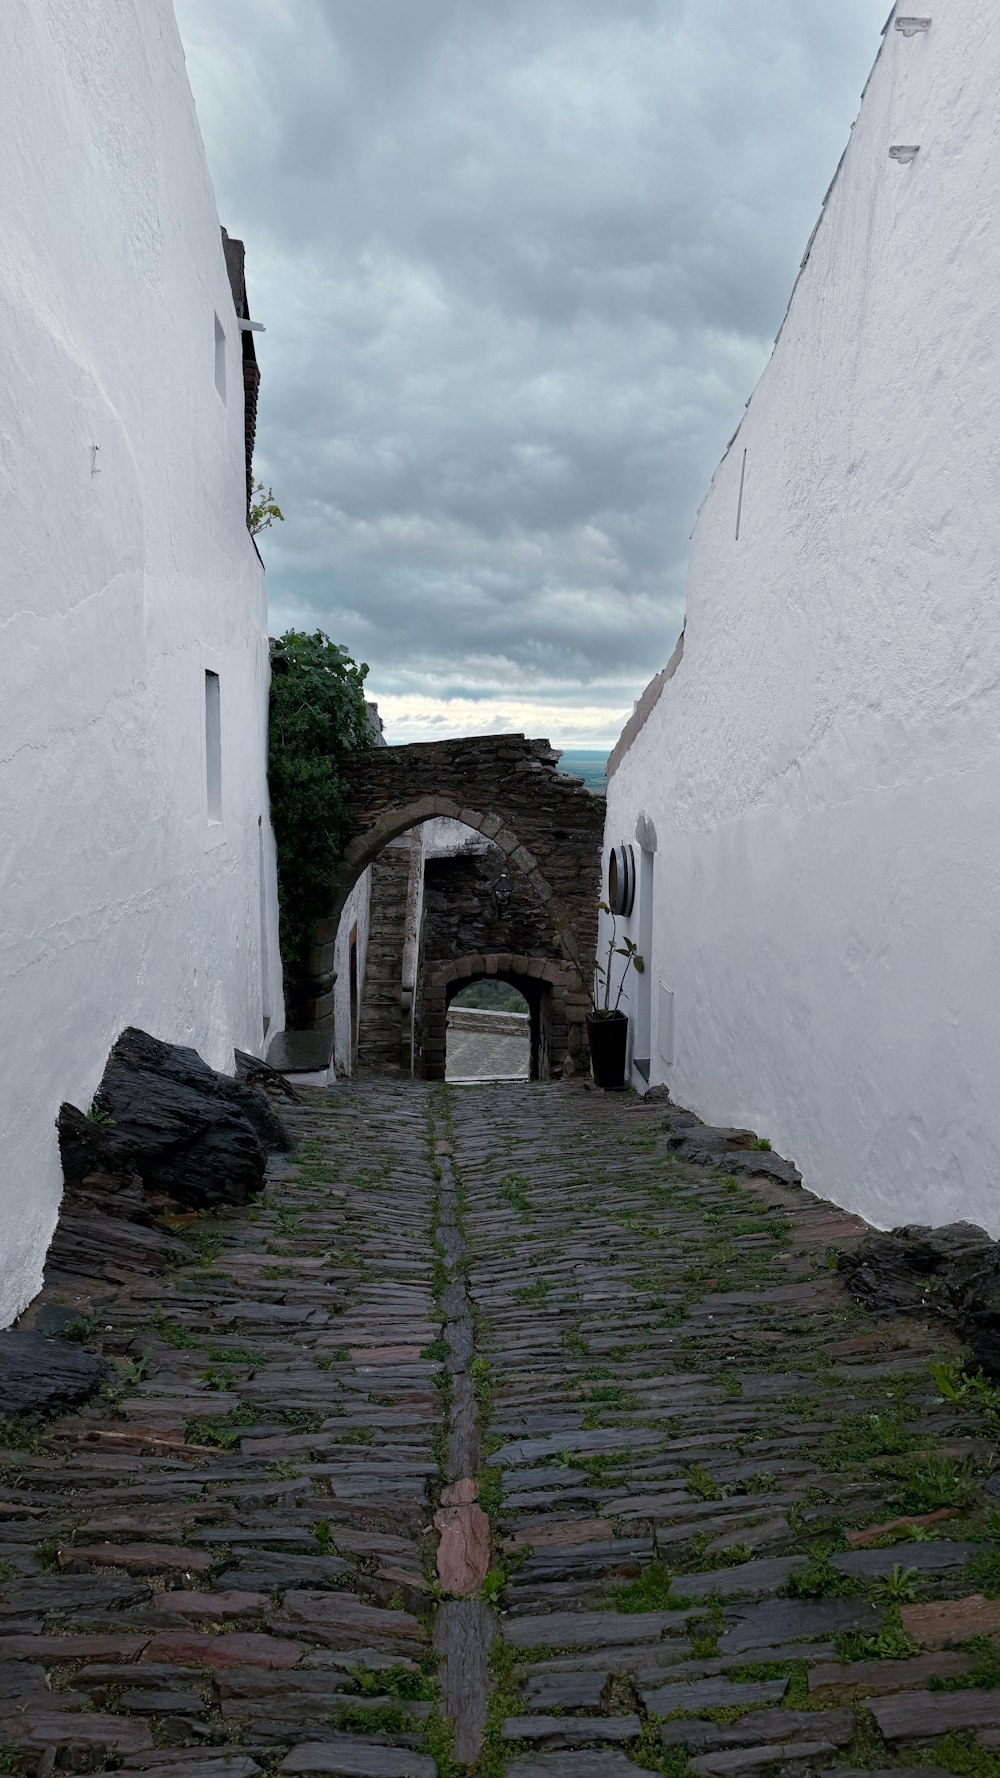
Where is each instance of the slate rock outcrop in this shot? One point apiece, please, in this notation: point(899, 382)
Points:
point(708, 1145)
point(43, 1376)
point(166, 1128)
point(951, 1272)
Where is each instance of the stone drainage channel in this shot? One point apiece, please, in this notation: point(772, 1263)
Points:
point(465, 1626)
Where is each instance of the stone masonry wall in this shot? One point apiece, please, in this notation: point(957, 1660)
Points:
point(546, 827)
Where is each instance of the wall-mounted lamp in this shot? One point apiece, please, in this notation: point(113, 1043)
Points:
point(910, 27)
point(502, 892)
point(905, 153)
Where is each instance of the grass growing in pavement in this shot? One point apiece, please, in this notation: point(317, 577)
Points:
point(224, 1433)
point(961, 1755)
point(652, 1591)
point(890, 1643)
point(983, 1675)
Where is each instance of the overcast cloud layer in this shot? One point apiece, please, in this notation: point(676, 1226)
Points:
point(520, 264)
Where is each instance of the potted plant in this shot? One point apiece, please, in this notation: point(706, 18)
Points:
point(607, 1025)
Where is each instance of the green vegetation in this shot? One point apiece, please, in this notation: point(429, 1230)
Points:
point(701, 1485)
point(493, 1585)
point(862, 1437)
point(283, 1469)
point(262, 510)
point(172, 1333)
point(982, 1571)
point(318, 714)
point(983, 1675)
point(968, 1389)
point(929, 1482)
point(225, 1433)
point(491, 996)
point(374, 1719)
point(890, 1643)
point(819, 1579)
point(652, 1591)
point(393, 1682)
point(961, 1755)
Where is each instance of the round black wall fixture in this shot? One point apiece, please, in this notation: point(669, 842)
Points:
point(621, 880)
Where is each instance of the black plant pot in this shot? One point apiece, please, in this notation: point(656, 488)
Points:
point(608, 1045)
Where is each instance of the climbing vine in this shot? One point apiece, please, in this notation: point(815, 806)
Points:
point(318, 714)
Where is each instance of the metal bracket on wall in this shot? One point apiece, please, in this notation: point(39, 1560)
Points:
point(910, 26)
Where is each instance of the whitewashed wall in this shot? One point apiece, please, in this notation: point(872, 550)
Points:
point(356, 917)
point(823, 772)
point(127, 572)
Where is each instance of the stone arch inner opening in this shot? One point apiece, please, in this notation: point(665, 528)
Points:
point(492, 1028)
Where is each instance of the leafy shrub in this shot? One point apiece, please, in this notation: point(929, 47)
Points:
point(318, 714)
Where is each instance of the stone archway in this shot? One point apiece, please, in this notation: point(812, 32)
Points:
point(548, 826)
point(557, 1003)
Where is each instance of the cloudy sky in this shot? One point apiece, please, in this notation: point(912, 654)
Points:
point(520, 264)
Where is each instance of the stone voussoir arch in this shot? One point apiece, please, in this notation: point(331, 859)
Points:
point(552, 988)
point(547, 825)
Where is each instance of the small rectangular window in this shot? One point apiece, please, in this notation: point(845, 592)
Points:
point(665, 1029)
point(213, 748)
point(220, 358)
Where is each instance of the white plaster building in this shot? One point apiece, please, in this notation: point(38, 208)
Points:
point(136, 861)
point(817, 784)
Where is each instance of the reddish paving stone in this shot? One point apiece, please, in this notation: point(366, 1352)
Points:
point(836, 1677)
point(463, 1555)
point(86, 1733)
point(139, 1558)
point(860, 1540)
point(166, 1441)
point(951, 1620)
point(341, 1619)
point(460, 1493)
point(563, 1531)
point(214, 1606)
point(196, 1650)
point(384, 1354)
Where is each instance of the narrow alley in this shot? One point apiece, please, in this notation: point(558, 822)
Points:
point(498, 1438)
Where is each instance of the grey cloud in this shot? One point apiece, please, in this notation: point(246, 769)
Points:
point(520, 263)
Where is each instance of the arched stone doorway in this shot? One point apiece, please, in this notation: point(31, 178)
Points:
point(556, 1004)
point(548, 827)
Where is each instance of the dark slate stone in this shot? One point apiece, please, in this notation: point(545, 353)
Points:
point(952, 1272)
point(53, 1319)
point(301, 1052)
point(914, 1716)
point(463, 1637)
point(711, 1694)
point(787, 1620)
point(345, 1756)
point(600, 1763)
point(256, 1073)
point(754, 1161)
point(168, 1121)
point(565, 1691)
point(43, 1376)
point(927, 1558)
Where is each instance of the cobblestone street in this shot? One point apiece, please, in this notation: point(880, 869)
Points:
point(499, 1438)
